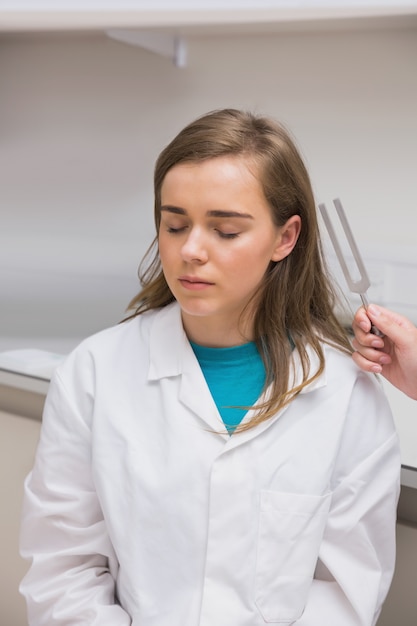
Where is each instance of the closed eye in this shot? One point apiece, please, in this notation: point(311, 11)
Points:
point(172, 230)
point(227, 235)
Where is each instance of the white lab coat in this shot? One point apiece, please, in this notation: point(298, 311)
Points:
point(135, 495)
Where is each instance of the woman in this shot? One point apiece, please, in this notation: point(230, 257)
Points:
point(217, 459)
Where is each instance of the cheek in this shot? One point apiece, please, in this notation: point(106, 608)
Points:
point(163, 247)
point(254, 258)
point(248, 271)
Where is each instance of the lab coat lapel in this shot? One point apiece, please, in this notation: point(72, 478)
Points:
point(171, 355)
point(195, 394)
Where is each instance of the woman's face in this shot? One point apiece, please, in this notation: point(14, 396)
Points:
point(216, 240)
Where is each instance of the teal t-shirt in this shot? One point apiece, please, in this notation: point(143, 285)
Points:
point(235, 377)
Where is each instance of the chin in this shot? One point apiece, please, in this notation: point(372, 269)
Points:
point(197, 311)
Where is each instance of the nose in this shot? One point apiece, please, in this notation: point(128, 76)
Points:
point(194, 249)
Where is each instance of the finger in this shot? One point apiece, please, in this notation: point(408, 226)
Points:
point(365, 364)
point(393, 325)
point(372, 354)
point(376, 310)
point(361, 320)
point(367, 339)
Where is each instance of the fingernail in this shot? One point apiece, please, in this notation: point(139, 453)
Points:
point(377, 369)
point(364, 326)
point(384, 360)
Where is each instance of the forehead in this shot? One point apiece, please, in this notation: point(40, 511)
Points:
point(226, 174)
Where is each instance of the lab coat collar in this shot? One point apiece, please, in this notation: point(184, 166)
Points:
point(296, 370)
point(172, 355)
point(167, 343)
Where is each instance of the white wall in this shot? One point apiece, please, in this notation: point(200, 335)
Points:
point(83, 118)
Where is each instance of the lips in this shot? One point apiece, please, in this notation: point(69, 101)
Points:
point(194, 282)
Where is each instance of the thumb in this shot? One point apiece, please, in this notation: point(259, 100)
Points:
point(393, 325)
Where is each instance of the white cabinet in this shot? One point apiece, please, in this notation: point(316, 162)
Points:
point(19, 437)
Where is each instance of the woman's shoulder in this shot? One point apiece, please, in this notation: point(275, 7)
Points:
point(363, 388)
point(339, 363)
point(111, 345)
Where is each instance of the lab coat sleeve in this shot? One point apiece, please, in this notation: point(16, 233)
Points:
point(357, 554)
point(72, 575)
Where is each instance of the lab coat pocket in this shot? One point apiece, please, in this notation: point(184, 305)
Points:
point(291, 528)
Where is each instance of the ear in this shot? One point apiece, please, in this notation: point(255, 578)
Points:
point(287, 238)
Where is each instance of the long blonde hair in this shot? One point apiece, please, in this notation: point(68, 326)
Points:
point(296, 300)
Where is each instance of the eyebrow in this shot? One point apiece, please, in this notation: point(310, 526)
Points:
point(213, 213)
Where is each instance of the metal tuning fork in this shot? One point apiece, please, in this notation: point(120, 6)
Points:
point(361, 285)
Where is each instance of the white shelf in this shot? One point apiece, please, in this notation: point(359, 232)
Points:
point(161, 26)
point(190, 16)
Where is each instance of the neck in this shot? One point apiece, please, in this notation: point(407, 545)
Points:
point(214, 333)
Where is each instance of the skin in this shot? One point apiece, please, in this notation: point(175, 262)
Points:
point(216, 241)
point(395, 355)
